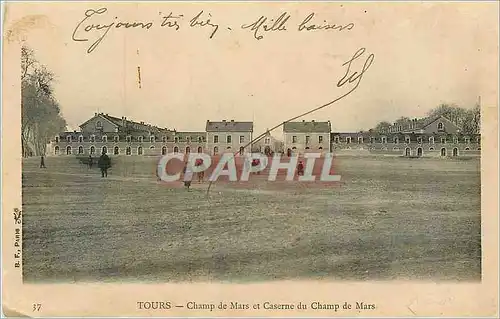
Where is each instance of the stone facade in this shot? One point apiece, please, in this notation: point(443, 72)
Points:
point(120, 136)
point(301, 137)
point(268, 145)
point(407, 144)
point(229, 136)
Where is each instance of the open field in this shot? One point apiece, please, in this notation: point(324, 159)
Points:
point(390, 218)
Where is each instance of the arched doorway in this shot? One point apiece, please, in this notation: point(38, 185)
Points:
point(455, 151)
point(288, 152)
point(200, 149)
point(80, 149)
point(188, 150)
point(419, 152)
point(116, 150)
point(56, 150)
point(216, 150)
point(104, 150)
point(242, 150)
point(128, 151)
point(68, 150)
point(139, 150)
point(407, 152)
point(92, 150)
point(176, 149)
point(164, 150)
point(443, 151)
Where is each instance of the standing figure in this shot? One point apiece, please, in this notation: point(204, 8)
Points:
point(42, 161)
point(188, 176)
point(300, 168)
point(104, 163)
point(91, 162)
point(256, 162)
point(200, 175)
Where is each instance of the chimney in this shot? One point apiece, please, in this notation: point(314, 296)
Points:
point(95, 114)
point(106, 114)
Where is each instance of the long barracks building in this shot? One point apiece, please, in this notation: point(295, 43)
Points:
point(120, 136)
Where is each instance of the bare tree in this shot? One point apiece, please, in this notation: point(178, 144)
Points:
point(40, 113)
point(468, 120)
point(382, 127)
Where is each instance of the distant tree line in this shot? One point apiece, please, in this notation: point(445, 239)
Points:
point(467, 119)
point(41, 117)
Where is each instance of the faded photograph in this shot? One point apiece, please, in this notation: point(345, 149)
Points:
point(175, 143)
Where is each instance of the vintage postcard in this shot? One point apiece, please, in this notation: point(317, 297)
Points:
point(250, 159)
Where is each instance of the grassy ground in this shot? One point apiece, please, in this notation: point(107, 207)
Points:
point(391, 218)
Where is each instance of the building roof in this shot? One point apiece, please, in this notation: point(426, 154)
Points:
point(229, 126)
point(131, 125)
point(419, 124)
point(307, 127)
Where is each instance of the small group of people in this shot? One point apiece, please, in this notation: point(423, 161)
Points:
point(188, 173)
point(104, 163)
point(300, 166)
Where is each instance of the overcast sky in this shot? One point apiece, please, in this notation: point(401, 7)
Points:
point(424, 55)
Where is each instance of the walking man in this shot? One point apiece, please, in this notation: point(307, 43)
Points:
point(188, 176)
point(300, 168)
point(104, 163)
point(42, 161)
point(200, 175)
point(91, 162)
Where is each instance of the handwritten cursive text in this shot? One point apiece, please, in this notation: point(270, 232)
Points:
point(198, 21)
point(304, 25)
point(273, 25)
point(103, 28)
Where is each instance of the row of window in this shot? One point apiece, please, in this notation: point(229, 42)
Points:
point(420, 151)
point(308, 139)
point(152, 139)
point(140, 150)
point(383, 140)
point(116, 139)
point(430, 149)
point(229, 139)
point(307, 148)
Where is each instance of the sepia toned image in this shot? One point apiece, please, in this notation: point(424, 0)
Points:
point(250, 159)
